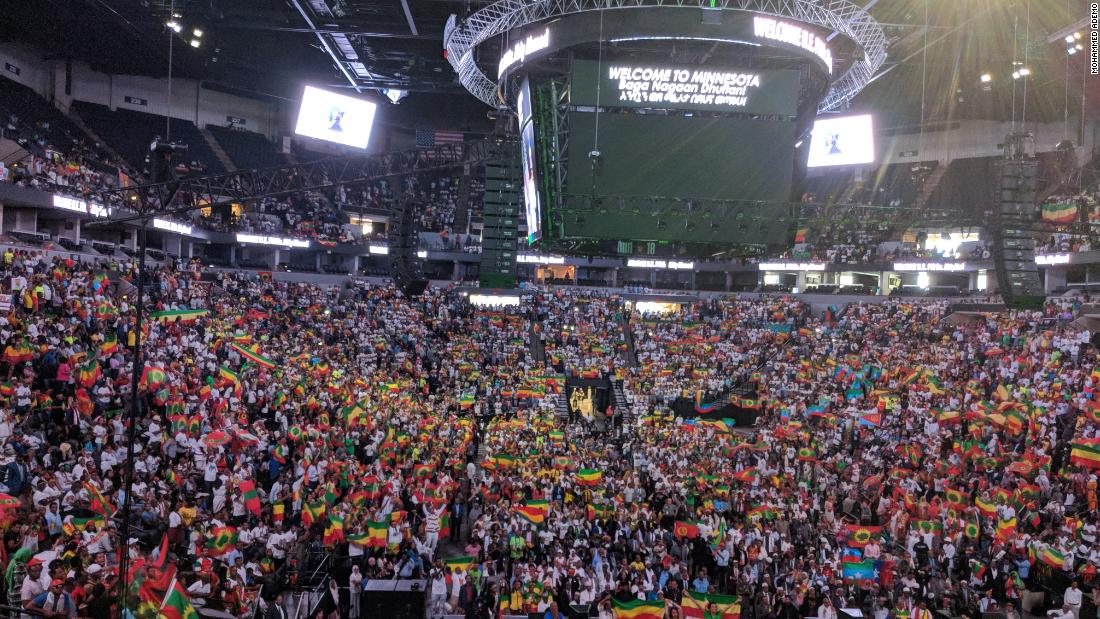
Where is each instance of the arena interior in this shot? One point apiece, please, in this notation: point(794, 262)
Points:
point(622, 309)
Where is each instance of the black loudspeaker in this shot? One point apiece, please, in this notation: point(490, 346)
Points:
point(1013, 240)
point(414, 287)
point(394, 599)
point(404, 240)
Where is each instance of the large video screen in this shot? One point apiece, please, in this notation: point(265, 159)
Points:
point(649, 159)
point(681, 157)
point(527, 151)
point(335, 118)
point(686, 87)
point(847, 140)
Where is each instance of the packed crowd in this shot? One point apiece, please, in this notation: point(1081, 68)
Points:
point(900, 462)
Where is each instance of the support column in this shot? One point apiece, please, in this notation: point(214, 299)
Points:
point(693, 286)
point(883, 282)
point(614, 277)
point(652, 279)
point(800, 281)
point(317, 261)
point(729, 280)
point(275, 260)
point(233, 255)
point(456, 271)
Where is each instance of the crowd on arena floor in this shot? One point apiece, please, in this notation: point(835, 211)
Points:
point(901, 461)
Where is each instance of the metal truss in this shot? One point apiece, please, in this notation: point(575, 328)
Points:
point(460, 39)
point(187, 194)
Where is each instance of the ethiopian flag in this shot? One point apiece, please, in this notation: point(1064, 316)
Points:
point(222, 540)
point(109, 345)
point(466, 401)
point(334, 532)
point(89, 373)
point(694, 606)
point(377, 532)
point(152, 378)
point(1052, 557)
point(254, 357)
point(588, 477)
point(457, 564)
point(177, 605)
point(600, 511)
point(229, 375)
point(184, 315)
point(1060, 212)
point(1086, 453)
point(638, 609)
point(77, 525)
point(312, 511)
point(531, 514)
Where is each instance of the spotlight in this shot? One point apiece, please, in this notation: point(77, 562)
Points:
point(986, 78)
point(1025, 71)
point(1071, 51)
point(194, 42)
point(197, 32)
point(1015, 75)
point(1069, 38)
point(174, 25)
point(1077, 35)
point(1079, 47)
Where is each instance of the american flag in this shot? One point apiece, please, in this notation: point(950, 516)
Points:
point(427, 138)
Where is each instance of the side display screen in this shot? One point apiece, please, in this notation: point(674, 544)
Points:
point(532, 207)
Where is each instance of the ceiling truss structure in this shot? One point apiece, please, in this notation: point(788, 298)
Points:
point(841, 16)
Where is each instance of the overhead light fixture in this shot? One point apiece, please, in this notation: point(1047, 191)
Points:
point(1077, 35)
point(1078, 47)
point(1025, 71)
point(394, 94)
point(194, 42)
point(1069, 38)
point(174, 25)
point(986, 78)
point(1015, 75)
point(1071, 51)
point(197, 32)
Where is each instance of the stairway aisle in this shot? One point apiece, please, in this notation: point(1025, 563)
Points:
point(561, 407)
point(538, 348)
point(461, 223)
point(628, 337)
point(929, 186)
point(219, 152)
point(622, 405)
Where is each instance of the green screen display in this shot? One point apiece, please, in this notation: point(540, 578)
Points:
point(682, 157)
point(650, 165)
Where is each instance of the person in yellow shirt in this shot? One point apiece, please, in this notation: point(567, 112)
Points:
point(515, 599)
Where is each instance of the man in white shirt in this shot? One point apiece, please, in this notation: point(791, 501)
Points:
point(1072, 599)
point(1062, 613)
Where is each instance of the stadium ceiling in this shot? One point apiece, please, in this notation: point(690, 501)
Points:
point(937, 49)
